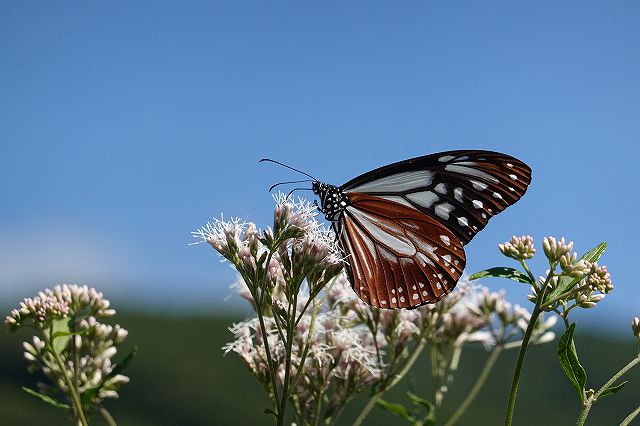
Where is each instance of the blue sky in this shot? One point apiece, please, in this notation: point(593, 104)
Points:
point(125, 125)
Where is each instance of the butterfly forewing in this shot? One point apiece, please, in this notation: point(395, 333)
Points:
point(398, 257)
point(460, 189)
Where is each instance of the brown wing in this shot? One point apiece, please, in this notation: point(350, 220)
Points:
point(398, 256)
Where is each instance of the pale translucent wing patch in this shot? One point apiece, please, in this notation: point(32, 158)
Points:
point(460, 189)
point(397, 256)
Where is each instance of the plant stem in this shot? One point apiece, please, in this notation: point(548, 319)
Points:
point(72, 387)
point(107, 417)
point(523, 350)
point(627, 420)
point(287, 366)
point(591, 400)
point(488, 366)
point(265, 341)
point(396, 379)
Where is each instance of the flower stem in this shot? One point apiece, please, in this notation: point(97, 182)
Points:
point(488, 366)
point(589, 402)
point(272, 371)
point(72, 387)
point(523, 350)
point(627, 420)
point(396, 379)
point(287, 367)
point(107, 417)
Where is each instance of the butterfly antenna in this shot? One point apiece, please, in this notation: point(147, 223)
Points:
point(288, 167)
point(285, 183)
point(298, 189)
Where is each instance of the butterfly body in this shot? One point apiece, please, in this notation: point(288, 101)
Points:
point(403, 227)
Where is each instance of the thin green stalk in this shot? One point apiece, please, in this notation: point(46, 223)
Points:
point(265, 342)
point(287, 366)
point(523, 350)
point(72, 387)
point(107, 417)
point(591, 400)
point(307, 343)
point(627, 420)
point(396, 379)
point(471, 396)
point(564, 295)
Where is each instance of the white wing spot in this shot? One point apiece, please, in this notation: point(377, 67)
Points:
point(445, 158)
point(402, 299)
point(484, 215)
point(490, 211)
point(400, 290)
point(509, 165)
point(393, 290)
point(511, 189)
point(477, 204)
point(447, 259)
point(423, 198)
point(425, 294)
point(441, 188)
point(415, 296)
point(463, 221)
point(443, 210)
point(478, 186)
point(421, 285)
point(455, 262)
point(497, 195)
point(457, 194)
point(453, 271)
point(440, 276)
point(513, 177)
point(393, 300)
point(439, 286)
point(414, 287)
point(445, 239)
point(384, 302)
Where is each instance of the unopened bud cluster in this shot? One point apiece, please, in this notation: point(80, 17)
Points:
point(71, 342)
point(519, 248)
point(62, 301)
point(590, 281)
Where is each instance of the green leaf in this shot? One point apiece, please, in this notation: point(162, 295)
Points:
point(88, 395)
point(60, 334)
point(502, 272)
point(46, 398)
point(613, 389)
point(397, 409)
point(569, 361)
point(567, 283)
point(123, 364)
point(419, 400)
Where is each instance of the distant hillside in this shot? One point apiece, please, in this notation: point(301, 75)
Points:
point(181, 378)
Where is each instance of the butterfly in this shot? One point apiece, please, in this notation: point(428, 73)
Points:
point(402, 228)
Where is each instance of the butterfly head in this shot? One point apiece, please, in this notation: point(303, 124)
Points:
point(332, 200)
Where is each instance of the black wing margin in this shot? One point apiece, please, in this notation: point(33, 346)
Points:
point(460, 189)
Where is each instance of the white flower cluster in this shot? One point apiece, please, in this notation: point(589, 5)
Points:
point(61, 302)
point(72, 342)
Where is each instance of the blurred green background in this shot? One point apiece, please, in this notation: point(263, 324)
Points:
point(180, 377)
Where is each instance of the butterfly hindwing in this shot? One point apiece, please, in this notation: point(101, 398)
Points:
point(460, 189)
point(398, 257)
